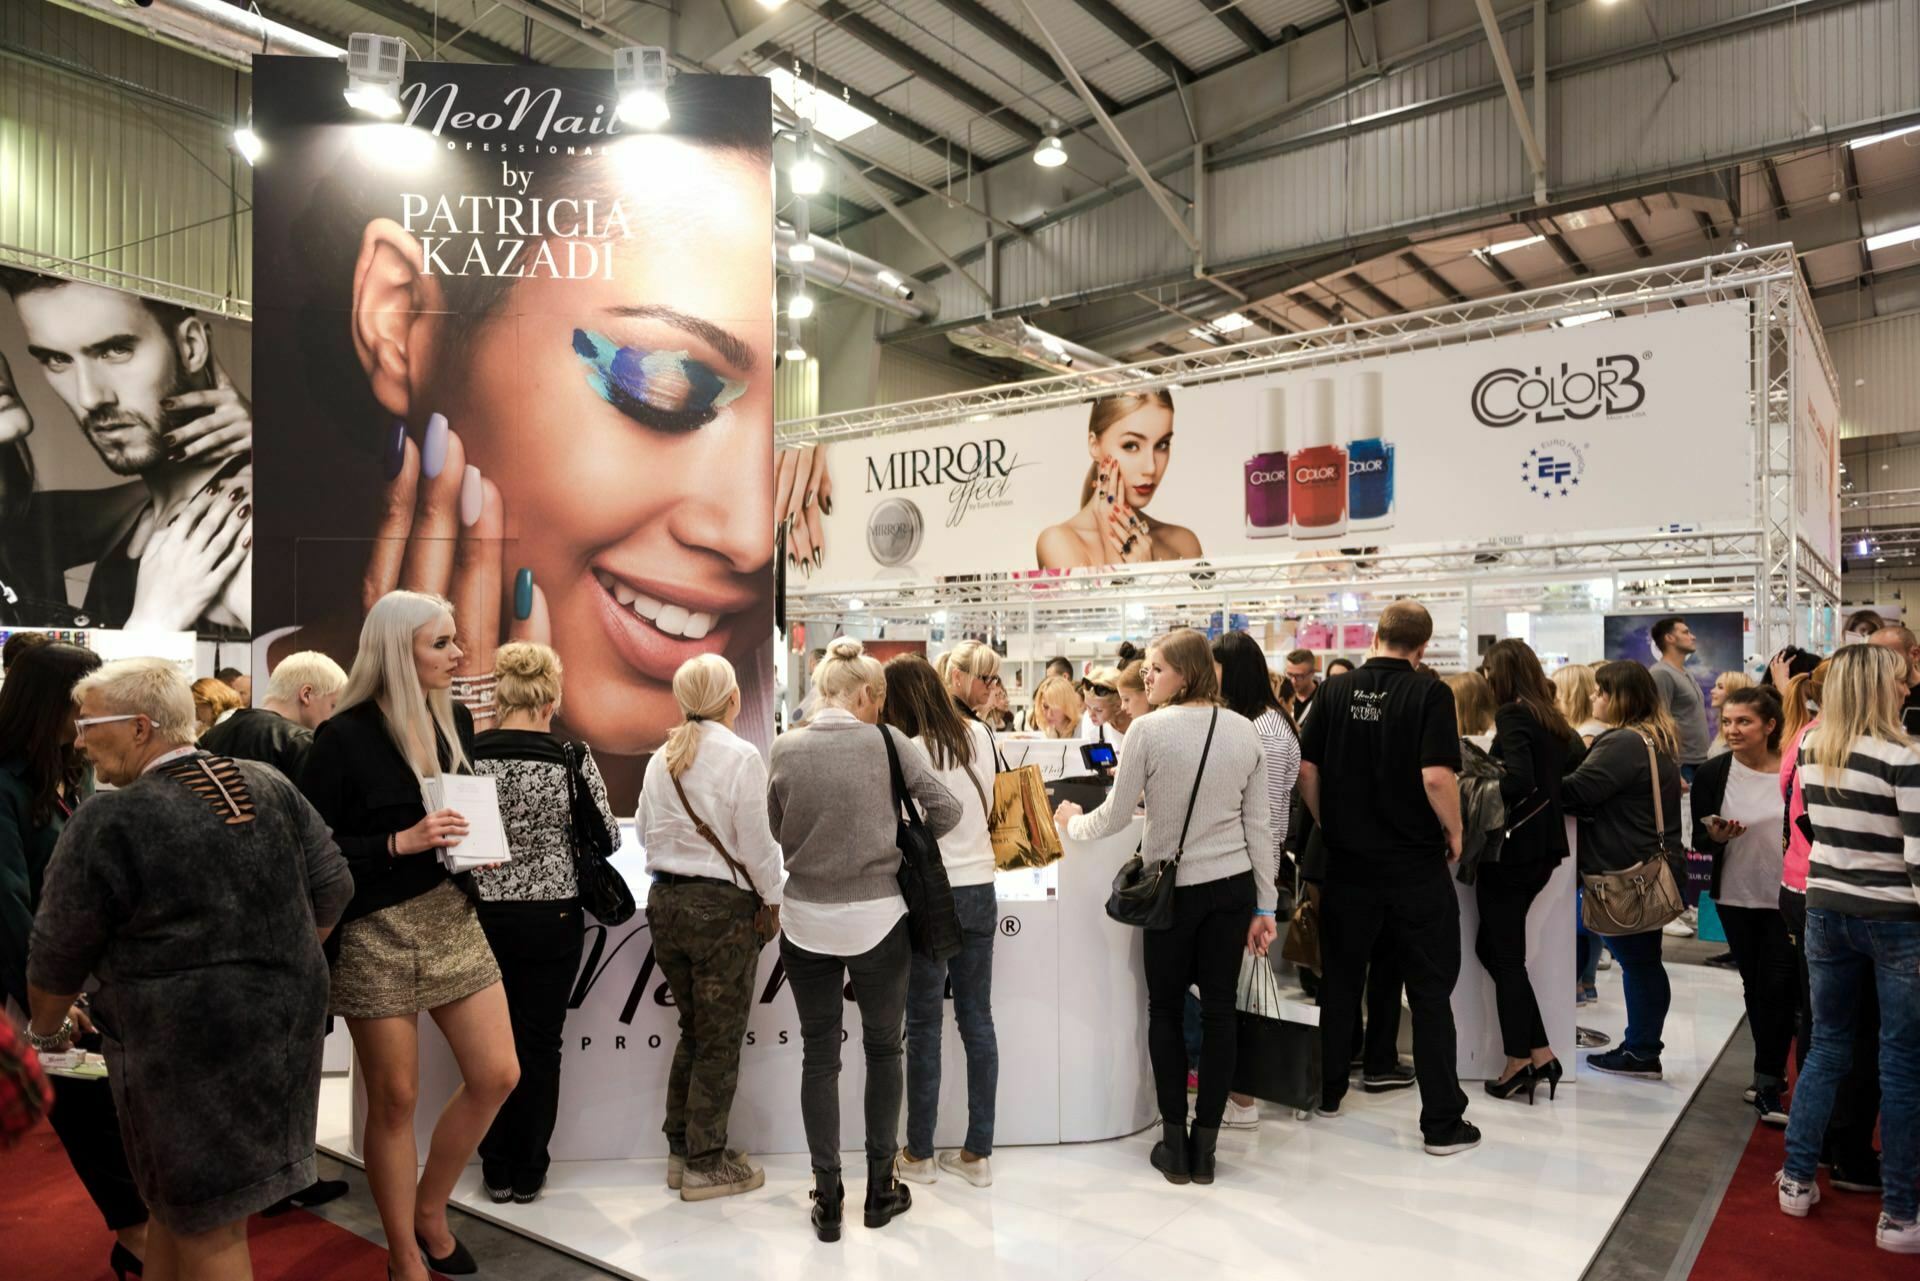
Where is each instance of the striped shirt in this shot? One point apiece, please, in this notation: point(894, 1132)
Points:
point(1866, 831)
point(1281, 751)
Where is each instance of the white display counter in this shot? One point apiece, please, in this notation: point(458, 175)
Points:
point(1550, 966)
point(1069, 1009)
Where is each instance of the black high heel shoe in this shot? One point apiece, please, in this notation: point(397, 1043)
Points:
point(455, 1263)
point(125, 1263)
point(1550, 1072)
point(1523, 1079)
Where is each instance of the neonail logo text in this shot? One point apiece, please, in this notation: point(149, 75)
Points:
point(1609, 389)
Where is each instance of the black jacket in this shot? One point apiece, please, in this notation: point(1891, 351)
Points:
point(1611, 796)
point(357, 779)
point(1533, 759)
point(256, 734)
point(1709, 795)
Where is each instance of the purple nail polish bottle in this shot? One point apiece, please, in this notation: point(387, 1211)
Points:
point(1267, 513)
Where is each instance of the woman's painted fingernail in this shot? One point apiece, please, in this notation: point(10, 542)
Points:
point(819, 558)
point(471, 496)
point(234, 497)
point(245, 511)
point(522, 592)
point(247, 541)
point(396, 452)
point(211, 486)
point(826, 505)
point(433, 453)
point(175, 455)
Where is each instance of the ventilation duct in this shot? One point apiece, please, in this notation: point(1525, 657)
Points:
point(838, 268)
point(1015, 339)
point(210, 28)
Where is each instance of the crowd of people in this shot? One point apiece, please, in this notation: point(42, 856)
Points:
point(181, 873)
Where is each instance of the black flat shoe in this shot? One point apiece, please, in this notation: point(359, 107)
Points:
point(125, 1263)
point(456, 1263)
point(1522, 1080)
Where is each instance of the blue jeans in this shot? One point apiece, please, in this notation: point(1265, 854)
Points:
point(1844, 955)
point(1586, 947)
point(1648, 993)
point(971, 976)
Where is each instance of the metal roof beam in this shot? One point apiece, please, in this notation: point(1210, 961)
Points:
point(1635, 241)
point(1373, 293)
point(907, 127)
point(1008, 37)
point(1563, 250)
point(1248, 31)
point(1440, 283)
point(911, 59)
point(1771, 173)
point(1707, 227)
point(1136, 37)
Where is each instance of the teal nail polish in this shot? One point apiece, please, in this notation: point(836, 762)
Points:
point(523, 595)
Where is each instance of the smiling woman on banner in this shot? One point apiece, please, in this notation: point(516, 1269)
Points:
point(575, 449)
point(1130, 439)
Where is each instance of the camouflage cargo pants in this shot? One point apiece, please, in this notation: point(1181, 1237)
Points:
point(704, 944)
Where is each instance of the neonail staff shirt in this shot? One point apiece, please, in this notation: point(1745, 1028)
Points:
point(1371, 733)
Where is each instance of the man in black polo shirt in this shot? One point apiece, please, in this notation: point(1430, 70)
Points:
point(1379, 763)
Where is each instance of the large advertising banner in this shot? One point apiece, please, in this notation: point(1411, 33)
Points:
point(522, 356)
point(120, 414)
point(1816, 449)
point(1630, 425)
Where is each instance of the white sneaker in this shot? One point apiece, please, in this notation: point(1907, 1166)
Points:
point(1901, 1238)
point(979, 1173)
point(915, 1171)
point(1606, 959)
point(1237, 1117)
point(1796, 1198)
point(1681, 926)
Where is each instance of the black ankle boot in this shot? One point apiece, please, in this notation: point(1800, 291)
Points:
point(1170, 1154)
point(1200, 1152)
point(887, 1197)
point(829, 1194)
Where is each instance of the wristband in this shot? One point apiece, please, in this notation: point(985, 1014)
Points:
point(393, 845)
point(1263, 911)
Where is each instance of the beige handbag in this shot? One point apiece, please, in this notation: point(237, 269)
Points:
point(1640, 898)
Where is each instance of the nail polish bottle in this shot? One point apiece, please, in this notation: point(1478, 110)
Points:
point(1317, 495)
point(1369, 454)
point(1266, 491)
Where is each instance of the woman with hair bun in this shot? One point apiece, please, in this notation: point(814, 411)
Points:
point(703, 824)
point(530, 907)
point(830, 800)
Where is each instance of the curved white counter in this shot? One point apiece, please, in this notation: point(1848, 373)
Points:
point(1069, 1008)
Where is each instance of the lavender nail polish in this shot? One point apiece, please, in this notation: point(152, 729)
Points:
point(471, 496)
point(396, 451)
point(433, 452)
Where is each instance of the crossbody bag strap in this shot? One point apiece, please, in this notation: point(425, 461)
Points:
point(901, 797)
point(1659, 811)
point(1194, 795)
point(573, 798)
point(999, 761)
point(700, 826)
point(978, 790)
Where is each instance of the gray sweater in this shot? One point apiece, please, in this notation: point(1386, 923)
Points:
point(1231, 814)
point(830, 803)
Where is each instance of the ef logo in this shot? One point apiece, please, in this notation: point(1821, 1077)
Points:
point(1009, 925)
point(1553, 470)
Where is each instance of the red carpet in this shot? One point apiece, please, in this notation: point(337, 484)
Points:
point(1751, 1238)
point(50, 1228)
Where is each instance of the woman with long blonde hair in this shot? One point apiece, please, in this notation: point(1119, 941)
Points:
point(1861, 776)
point(1573, 683)
point(410, 939)
point(970, 671)
point(530, 906)
point(1056, 708)
point(1612, 794)
point(712, 856)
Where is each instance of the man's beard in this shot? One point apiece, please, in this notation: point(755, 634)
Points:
point(139, 453)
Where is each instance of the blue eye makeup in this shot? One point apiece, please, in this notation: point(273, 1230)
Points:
point(666, 391)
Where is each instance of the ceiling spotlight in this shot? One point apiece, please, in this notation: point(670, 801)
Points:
point(1051, 153)
point(795, 352)
point(800, 305)
point(771, 4)
point(802, 251)
point(1739, 241)
point(640, 78)
point(375, 65)
point(247, 142)
point(807, 176)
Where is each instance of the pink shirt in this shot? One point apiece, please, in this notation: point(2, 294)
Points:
point(1793, 873)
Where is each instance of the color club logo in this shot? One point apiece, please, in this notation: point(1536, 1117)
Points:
point(1553, 468)
point(1611, 388)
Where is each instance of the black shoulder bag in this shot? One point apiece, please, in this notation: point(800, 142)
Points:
point(603, 891)
point(1143, 892)
point(933, 925)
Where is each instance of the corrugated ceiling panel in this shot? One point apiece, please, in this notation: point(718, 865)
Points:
point(1879, 377)
point(1124, 240)
point(84, 174)
point(1102, 57)
point(932, 29)
point(1582, 31)
point(1271, 15)
point(979, 134)
point(1194, 35)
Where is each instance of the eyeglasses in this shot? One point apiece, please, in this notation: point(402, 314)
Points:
point(83, 723)
point(1102, 690)
point(992, 680)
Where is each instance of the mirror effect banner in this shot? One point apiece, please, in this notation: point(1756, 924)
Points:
point(1627, 426)
point(523, 358)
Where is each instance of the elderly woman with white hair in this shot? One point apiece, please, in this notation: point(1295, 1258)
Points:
point(410, 939)
point(197, 892)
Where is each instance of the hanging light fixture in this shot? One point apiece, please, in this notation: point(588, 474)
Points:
point(640, 78)
point(802, 250)
point(800, 302)
point(1051, 153)
point(375, 65)
point(247, 142)
point(807, 176)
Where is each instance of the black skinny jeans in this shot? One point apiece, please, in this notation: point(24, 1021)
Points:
point(1202, 947)
point(1505, 892)
point(537, 944)
point(1769, 979)
point(879, 978)
point(1415, 905)
point(1856, 1108)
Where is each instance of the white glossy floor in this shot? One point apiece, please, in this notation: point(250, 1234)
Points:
point(1355, 1193)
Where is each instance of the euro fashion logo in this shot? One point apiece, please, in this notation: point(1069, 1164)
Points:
point(1610, 389)
point(1553, 469)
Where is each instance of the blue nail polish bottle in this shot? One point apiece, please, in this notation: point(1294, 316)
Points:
point(1370, 455)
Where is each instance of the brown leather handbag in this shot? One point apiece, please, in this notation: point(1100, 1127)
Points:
point(766, 919)
point(1640, 898)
